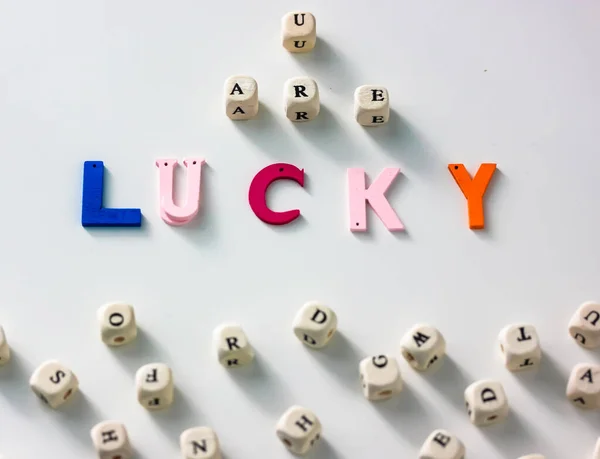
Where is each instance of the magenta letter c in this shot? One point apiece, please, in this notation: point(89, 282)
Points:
point(258, 191)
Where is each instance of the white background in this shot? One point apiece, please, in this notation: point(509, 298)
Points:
point(513, 82)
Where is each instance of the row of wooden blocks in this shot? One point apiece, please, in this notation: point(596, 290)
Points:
point(302, 102)
point(315, 324)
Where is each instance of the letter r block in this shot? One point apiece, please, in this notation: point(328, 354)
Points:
point(298, 32)
point(301, 96)
point(371, 105)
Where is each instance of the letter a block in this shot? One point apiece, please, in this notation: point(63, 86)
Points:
point(301, 96)
point(371, 105)
point(155, 388)
point(583, 387)
point(584, 326)
point(111, 440)
point(241, 97)
point(315, 324)
point(520, 347)
point(486, 403)
point(117, 323)
point(441, 444)
point(233, 347)
point(53, 383)
point(298, 429)
point(423, 346)
point(200, 443)
point(299, 32)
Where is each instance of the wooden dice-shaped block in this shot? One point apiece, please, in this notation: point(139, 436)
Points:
point(117, 323)
point(111, 440)
point(520, 347)
point(584, 326)
point(154, 386)
point(596, 454)
point(486, 402)
point(380, 377)
point(299, 31)
point(423, 346)
point(4, 348)
point(53, 383)
point(315, 324)
point(583, 387)
point(441, 444)
point(233, 347)
point(532, 456)
point(301, 96)
point(298, 429)
point(200, 443)
point(371, 105)
point(241, 97)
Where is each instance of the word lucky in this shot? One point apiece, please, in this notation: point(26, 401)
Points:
point(93, 213)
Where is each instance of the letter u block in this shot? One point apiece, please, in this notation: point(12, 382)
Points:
point(241, 97)
point(111, 441)
point(584, 326)
point(301, 95)
point(315, 324)
point(53, 383)
point(486, 403)
point(441, 444)
point(371, 105)
point(298, 31)
point(298, 429)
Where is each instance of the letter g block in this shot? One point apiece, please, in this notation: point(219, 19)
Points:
point(315, 324)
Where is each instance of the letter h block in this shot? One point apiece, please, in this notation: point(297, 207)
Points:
point(298, 429)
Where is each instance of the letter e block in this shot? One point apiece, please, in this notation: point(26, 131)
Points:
point(241, 97)
point(301, 96)
point(117, 323)
point(200, 443)
point(298, 31)
point(155, 387)
point(423, 346)
point(315, 324)
point(584, 326)
point(111, 440)
point(486, 403)
point(583, 387)
point(298, 429)
point(520, 347)
point(371, 105)
point(233, 347)
point(53, 383)
point(380, 377)
point(441, 444)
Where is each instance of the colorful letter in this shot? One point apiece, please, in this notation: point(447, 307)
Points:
point(169, 212)
point(258, 189)
point(359, 195)
point(473, 189)
point(92, 212)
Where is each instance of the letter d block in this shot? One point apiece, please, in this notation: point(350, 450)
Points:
point(315, 324)
point(233, 347)
point(111, 440)
point(298, 429)
point(298, 32)
point(442, 445)
point(117, 323)
point(241, 97)
point(584, 326)
point(154, 385)
point(301, 97)
point(53, 383)
point(486, 403)
point(371, 105)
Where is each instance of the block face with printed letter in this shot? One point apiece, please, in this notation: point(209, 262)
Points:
point(298, 429)
point(117, 323)
point(233, 348)
point(520, 347)
point(583, 387)
point(486, 402)
point(423, 346)
point(301, 99)
point(441, 444)
point(380, 377)
point(241, 97)
point(199, 443)
point(111, 441)
point(53, 383)
point(315, 324)
point(299, 31)
point(155, 386)
point(371, 105)
point(584, 326)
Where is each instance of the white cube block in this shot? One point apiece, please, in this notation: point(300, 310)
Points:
point(380, 377)
point(423, 346)
point(315, 324)
point(583, 387)
point(584, 326)
point(111, 441)
point(53, 383)
point(298, 429)
point(233, 347)
point(155, 387)
point(301, 96)
point(117, 323)
point(486, 402)
point(4, 348)
point(241, 97)
point(298, 31)
point(371, 105)
point(441, 444)
point(200, 443)
point(520, 347)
